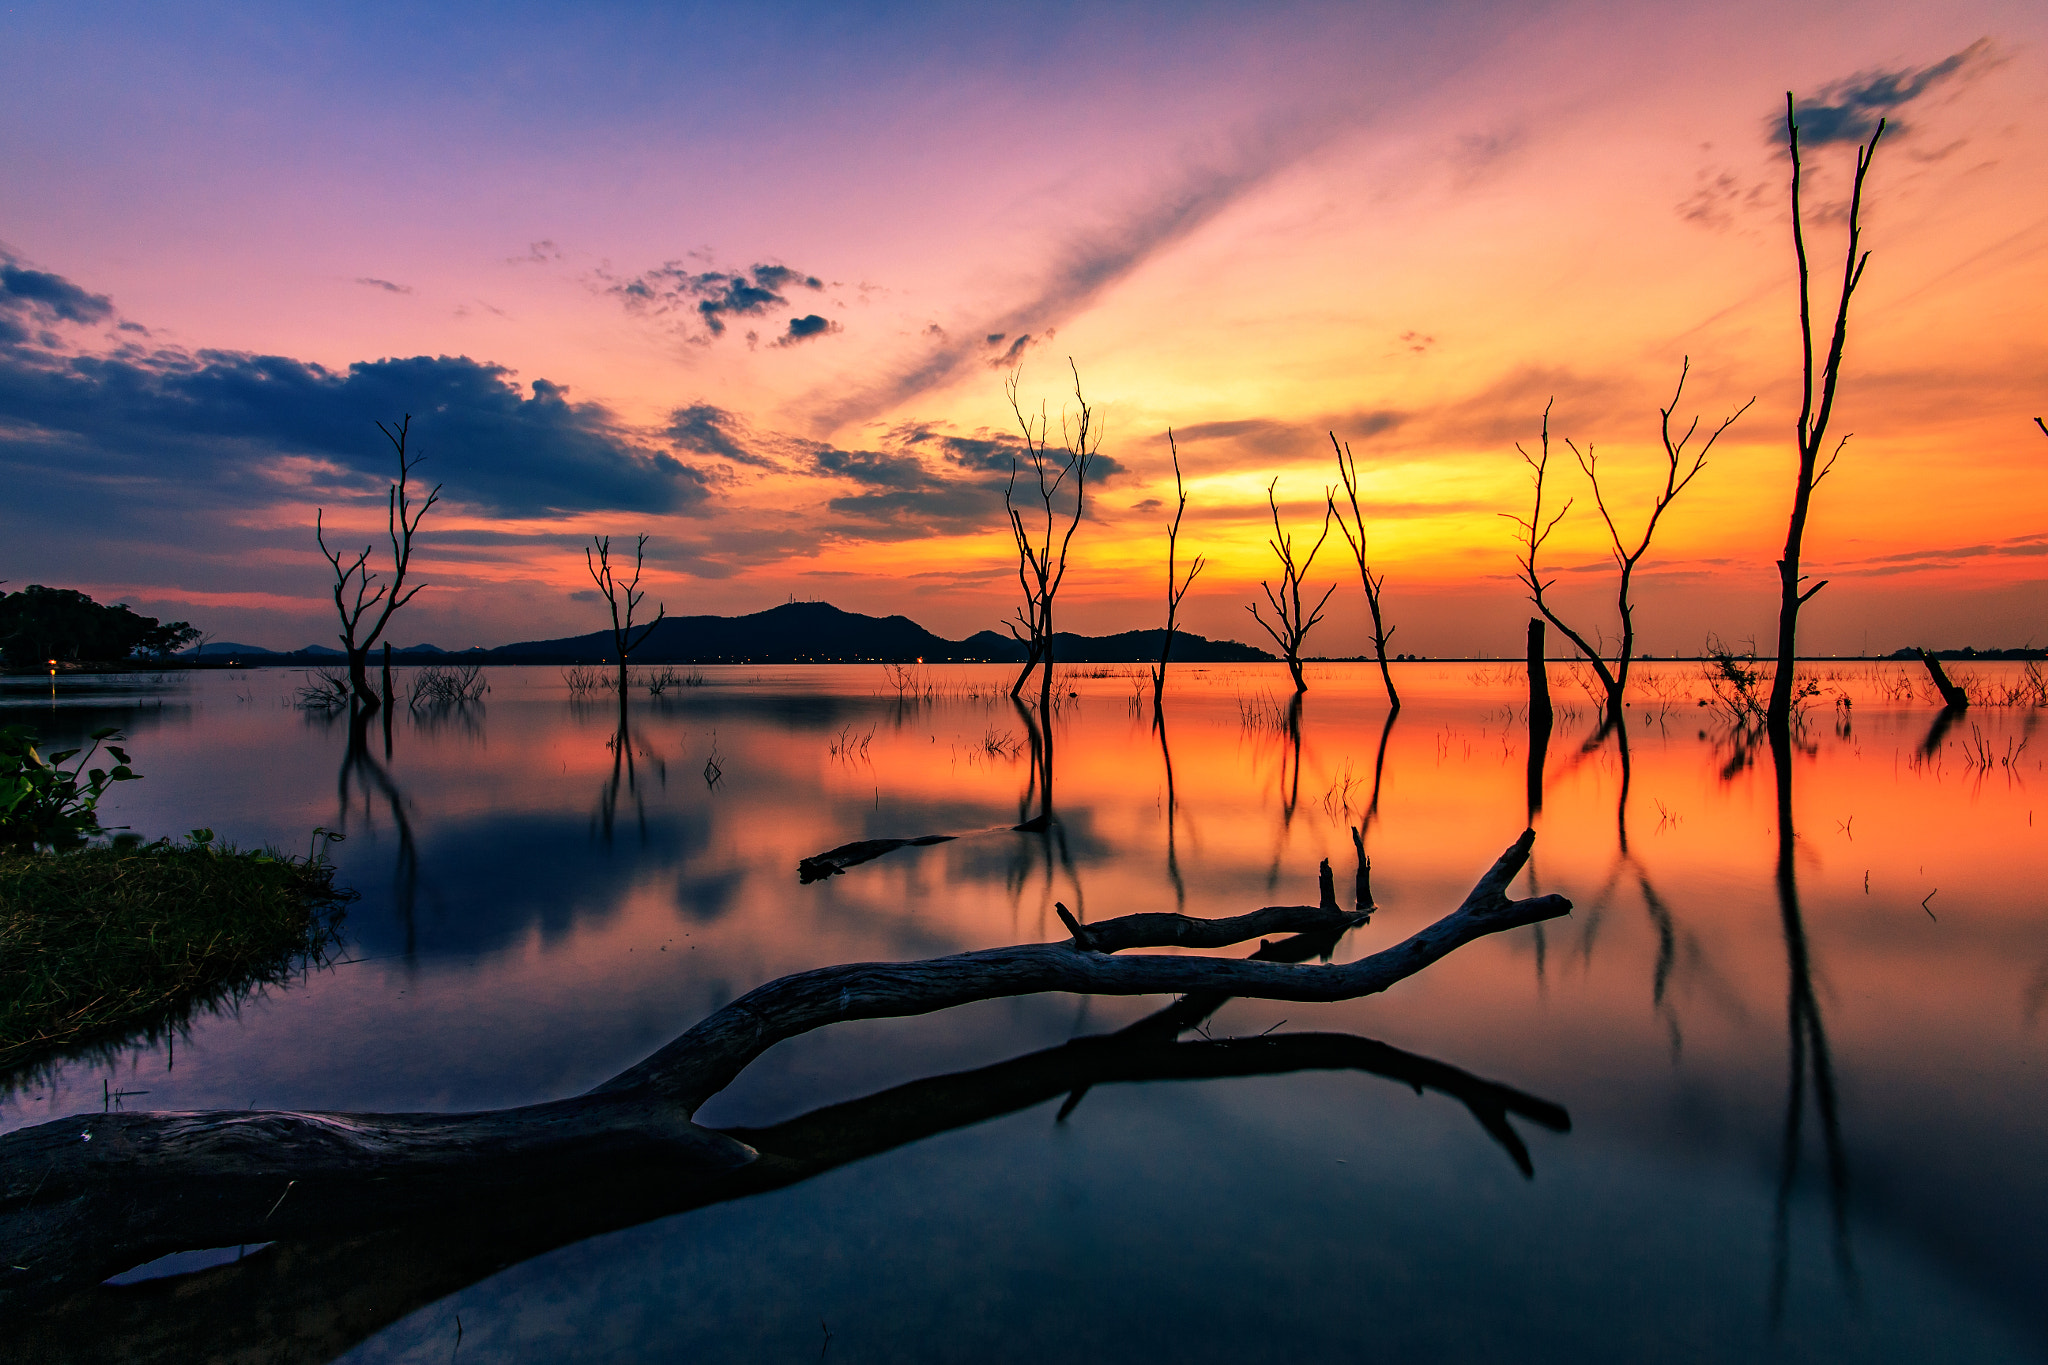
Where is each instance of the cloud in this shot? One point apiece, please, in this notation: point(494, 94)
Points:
point(36, 297)
point(807, 327)
point(223, 425)
point(715, 295)
point(928, 481)
point(1089, 264)
point(1848, 110)
point(385, 285)
point(1272, 437)
point(707, 430)
point(1720, 197)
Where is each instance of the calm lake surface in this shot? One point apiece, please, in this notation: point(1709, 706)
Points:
point(1808, 1119)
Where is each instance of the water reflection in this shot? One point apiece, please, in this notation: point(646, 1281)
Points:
point(553, 907)
point(1808, 1059)
point(312, 1301)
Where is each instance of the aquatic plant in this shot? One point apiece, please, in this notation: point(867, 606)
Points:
point(100, 943)
point(447, 685)
point(324, 689)
point(43, 804)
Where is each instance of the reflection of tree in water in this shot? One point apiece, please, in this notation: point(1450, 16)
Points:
point(1053, 853)
point(360, 769)
point(625, 778)
point(1809, 1058)
point(1288, 784)
point(1180, 888)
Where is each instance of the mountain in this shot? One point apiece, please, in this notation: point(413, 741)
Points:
point(818, 632)
point(222, 649)
point(796, 632)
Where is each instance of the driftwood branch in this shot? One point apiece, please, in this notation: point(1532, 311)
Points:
point(312, 1300)
point(84, 1198)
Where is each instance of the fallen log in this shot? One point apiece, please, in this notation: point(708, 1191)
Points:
point(307, 1301)
point(834, 861)
point(85, 1198)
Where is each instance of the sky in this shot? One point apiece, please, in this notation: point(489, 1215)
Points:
point(751, 281)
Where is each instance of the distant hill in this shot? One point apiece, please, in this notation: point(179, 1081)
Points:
point(796, 632)
point(818, 632)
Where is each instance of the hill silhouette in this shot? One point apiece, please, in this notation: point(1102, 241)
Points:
point(796, 632)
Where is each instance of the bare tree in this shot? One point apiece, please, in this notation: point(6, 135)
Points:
point(1042, 563)
point(624, 597)
point(2041, 424)
point(353, 599)
point(1177, 584)
point(1292, 621)
point(1814, 411)
point(1347, 469)
point(1535, 531)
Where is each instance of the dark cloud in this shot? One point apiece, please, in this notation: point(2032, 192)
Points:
point(909, 513)
point(877, 469)
point(36, 295)
point(1015, 353)
point(385, 285)
point(708, 430)
point(927, 481)
point(715, 295)
point(222, 421)
point(1848, 110)
point(807, 327)
point(985, 452)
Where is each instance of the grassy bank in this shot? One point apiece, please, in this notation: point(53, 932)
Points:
point(103, 943)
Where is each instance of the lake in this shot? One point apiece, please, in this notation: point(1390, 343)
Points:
point(1803, 1076)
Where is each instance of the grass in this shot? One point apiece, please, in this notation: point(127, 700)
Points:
point(102, 944)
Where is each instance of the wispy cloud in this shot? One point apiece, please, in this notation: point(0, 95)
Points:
point(387, 286)
point(1848, 110)
point(1086, 266)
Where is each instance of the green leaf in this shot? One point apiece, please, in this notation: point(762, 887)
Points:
point(106, 732)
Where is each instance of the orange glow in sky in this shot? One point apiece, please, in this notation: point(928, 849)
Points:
point(771, 285)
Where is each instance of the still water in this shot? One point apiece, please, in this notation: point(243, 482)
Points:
point(1807, 1119)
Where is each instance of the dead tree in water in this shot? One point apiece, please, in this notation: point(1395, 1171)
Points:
point(1814, 412)
point(1347, 468)
point(1535, 531)
point(1953, 698)
point(88, 1197)
point(1292, 621)
point(1040, 567)
point(402, 522)
point(621, 592)
point(1177, 585)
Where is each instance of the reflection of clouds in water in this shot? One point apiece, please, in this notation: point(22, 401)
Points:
point(547, 961)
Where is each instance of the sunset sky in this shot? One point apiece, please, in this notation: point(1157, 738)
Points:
point(749, 279)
